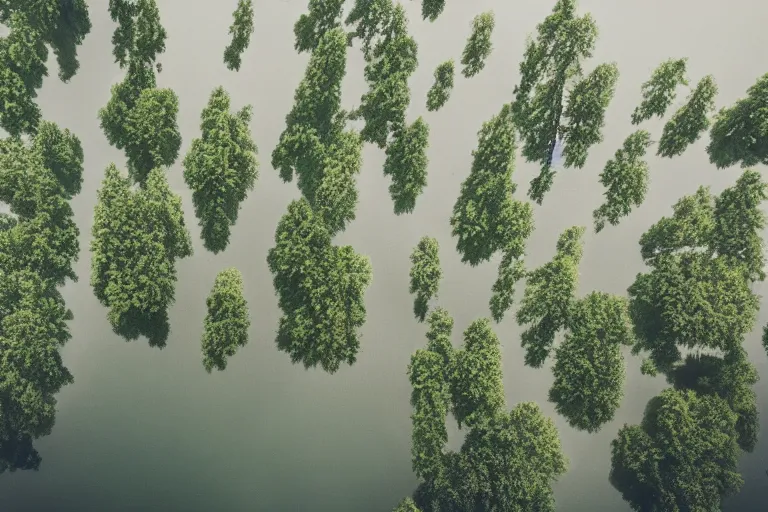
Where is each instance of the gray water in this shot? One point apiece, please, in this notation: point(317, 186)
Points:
point(145, 429)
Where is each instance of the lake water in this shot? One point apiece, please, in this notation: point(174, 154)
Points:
point(149, 429)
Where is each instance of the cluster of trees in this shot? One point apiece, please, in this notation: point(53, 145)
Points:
point(41, 167)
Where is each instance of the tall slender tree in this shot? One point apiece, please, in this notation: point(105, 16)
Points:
point(241, 31)
point(478, 47)
point(225, 328)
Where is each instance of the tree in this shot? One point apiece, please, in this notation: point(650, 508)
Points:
point(391, 62)
point(221, 168)
point(314, 145)
point(738, 134)
point(478, 46)
point(683, 456)
point(485, 217)
point(406, 163)
point(511, 270)
point(139, 36)
point(440, 92)
point(625, 178)
point(439, 337)
point(661, 89)
point(137, 237)
point(33, 329)
point(549, 294)
point(425, 275)
point(690, 121)
point(406, 505)
point(62, 153)
point(369, 18)
point(542, 114)
point(227, 322)
point(323, 16)
point(320, 290)
point(431, 9)
point(62, 25)
point(430, 400)
point(589, 368)
point(477, 389)
point(241, 31)
point(113, 116)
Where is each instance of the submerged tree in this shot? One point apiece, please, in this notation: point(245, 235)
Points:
point(549, 69)
point(406, 163)
point(137, 237)
point(425, 275)
point(683, 456)
point(625, 178)
point(314, 145)
point(661, 90)
point(320, 290)
point(440, 92)
point(226, 325)
point(549, 294)
point(221, 168)
point(478, 46)
point(739, 133)
point(323, 16)
point(241, 31)
point(391, 62)
point(139, 36)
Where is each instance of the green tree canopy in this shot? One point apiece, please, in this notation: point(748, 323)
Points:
point(139, 36)
point(425, 275)
point(661, 89)
point(368, 18)
point(549, 294)
point(406, 505)
point(478, 47)
point(439, 337)
point(241, 31)
point(137, 237)
point(477, 389)
point(62, 153)
point(690, 121)
point(323, 16)
point(320, 289)
point(406, 163)
point(314, 145)
point(739, 133)
point(486, 218)
point(683, 456)
point(221, 168)
point(226, 325)
point(625, 178)
point(391, 62)
point(589, 368)
point(62, 25)
point(33, 329)
point(440, 92)
point(431, 9)
point(542, 112)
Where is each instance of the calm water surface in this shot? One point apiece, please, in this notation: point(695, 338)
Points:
point(145, 429)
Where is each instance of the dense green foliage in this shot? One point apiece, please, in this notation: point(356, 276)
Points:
point(690, 121)
point(139, 36)
point(320, 290)
point(660, 90)
point(683, 456)
point(389, 64)
point(314, 144)
point(241, 31)
point(323, 16)
point(368, 18)
point(432, 9)
point(406, 163)
point(549, 69)
point(625, 178)
point(137, 237)
point(425, 275)
point(478, 47)
point(739, 133)
point(62, 153)
point(226, 325)
point(549, 293)
point(407, 505)
point(221, 168)
point(440, 92)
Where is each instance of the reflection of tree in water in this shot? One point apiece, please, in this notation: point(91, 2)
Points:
point(154, 326)
point(17, 453)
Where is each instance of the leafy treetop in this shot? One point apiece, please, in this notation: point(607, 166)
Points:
point(440, 92)
point(241, 31)
point(425, 275)
point(478, 46)
point(226, 325)
point(406, 163)
point(661, 89)
point(323, 16)
point(139, 36)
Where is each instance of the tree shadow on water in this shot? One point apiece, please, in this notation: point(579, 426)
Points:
point(18, 453)
point(154, 326)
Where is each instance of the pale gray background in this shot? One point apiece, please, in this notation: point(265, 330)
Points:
point(144, 429)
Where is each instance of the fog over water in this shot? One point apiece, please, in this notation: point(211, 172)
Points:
point(149, 429)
